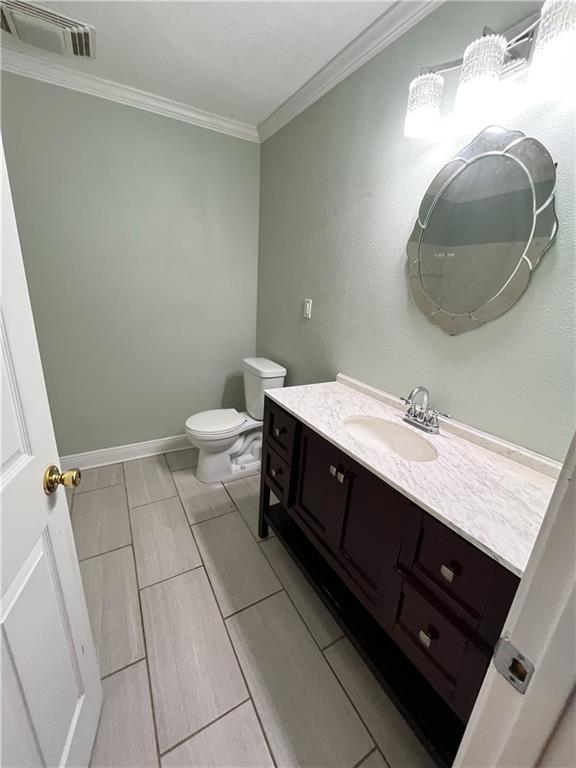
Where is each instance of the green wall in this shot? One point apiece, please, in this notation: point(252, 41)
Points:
point(340, 189)
point(140, 242)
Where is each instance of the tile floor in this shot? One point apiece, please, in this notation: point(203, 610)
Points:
point(214, 649)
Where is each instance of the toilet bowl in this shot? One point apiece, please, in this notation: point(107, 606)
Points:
point(229, 442)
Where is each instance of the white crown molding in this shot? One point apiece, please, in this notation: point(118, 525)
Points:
point(118, 453)
point(48, 72)
point(393, 23)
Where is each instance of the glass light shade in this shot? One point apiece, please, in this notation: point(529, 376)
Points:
point(554, 59)
point(477, 97)
point(423, 111)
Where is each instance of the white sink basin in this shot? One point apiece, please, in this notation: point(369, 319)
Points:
point(389, 436)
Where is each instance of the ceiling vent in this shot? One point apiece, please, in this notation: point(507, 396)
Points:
point(47, 30)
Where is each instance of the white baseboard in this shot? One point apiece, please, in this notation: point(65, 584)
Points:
point(118, 453)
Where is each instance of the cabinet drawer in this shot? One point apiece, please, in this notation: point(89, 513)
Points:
point(277, 474)
point(431, 632)
point(444, 653)
point(455, 567)
point(279, 430)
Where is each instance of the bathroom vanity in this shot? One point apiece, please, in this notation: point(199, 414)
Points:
point(418, 559)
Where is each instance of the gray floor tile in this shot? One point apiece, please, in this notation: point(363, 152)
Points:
point(239, 572)
point(148, 480)
point(100, 477)
point(305, 713)
point(125, 737)
point(163, 542)
point(246, 492)
point(316, 616)
point(182, 459)
point(100, 521)
point(195, 676)
point(374, 760)
point(201, 500)
point(394, 737)
point(112, 598)
point(234, 741)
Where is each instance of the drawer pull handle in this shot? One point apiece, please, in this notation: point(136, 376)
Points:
point(332, 470)
point(279, 431)
point(276, 472)
point(447, 573)
point(425, 639)
point(340, 477)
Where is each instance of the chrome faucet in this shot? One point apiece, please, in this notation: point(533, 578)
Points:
point(422, 416)
point(411, 399)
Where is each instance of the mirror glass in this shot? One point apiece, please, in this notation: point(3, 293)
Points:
point(483, 225)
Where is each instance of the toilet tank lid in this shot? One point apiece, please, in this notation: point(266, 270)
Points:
point(264, 368)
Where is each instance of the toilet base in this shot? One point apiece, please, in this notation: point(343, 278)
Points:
point(240, 460)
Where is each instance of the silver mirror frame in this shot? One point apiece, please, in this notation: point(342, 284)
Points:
point(493, 140)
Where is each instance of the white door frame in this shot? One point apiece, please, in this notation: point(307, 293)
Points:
point(508, 728)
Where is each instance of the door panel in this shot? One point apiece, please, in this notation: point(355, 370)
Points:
point(322, 488)
point(377, 520)
point(44, 660)
point(53, 695)
point(19, 745)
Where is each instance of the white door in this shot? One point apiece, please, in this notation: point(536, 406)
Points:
point(51, 691)
point(512, 729)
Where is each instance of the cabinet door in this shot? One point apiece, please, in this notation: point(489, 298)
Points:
point(322, 488)
point(377, 520)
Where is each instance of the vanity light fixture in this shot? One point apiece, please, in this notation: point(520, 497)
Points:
point(554, 59)
point(479, 83)
point(423, 111)
point(550, 35)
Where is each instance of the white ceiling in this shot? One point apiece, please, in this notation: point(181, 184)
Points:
point(238, 60)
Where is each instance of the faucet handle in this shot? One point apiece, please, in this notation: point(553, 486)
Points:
point(432, 416)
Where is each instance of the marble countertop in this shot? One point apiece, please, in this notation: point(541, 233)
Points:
point(494, 502)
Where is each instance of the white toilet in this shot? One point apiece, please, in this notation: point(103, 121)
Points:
point(229, 442)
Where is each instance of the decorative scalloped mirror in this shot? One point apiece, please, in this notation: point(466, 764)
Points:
point(483, 225)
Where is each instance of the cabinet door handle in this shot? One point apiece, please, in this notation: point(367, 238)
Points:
point(424, 638)
point(332, 470)
point(340, 477)
point(279, 431)
point(447, 573)
point(276, 472)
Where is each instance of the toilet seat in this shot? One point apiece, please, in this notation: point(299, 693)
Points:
point(223, 422)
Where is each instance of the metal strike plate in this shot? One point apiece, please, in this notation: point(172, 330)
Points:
point(513, 665)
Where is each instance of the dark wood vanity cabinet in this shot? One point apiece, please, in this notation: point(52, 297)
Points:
point(440, 599)
point(321, 488)
point(377, 521)
point(360, 520)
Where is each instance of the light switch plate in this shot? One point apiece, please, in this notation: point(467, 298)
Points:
point(307, 308)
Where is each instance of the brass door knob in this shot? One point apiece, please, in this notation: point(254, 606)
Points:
point(53, 478)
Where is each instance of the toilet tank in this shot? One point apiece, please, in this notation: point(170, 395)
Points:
point(260, 374)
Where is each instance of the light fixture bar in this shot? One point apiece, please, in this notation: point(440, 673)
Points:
point(520, 39)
